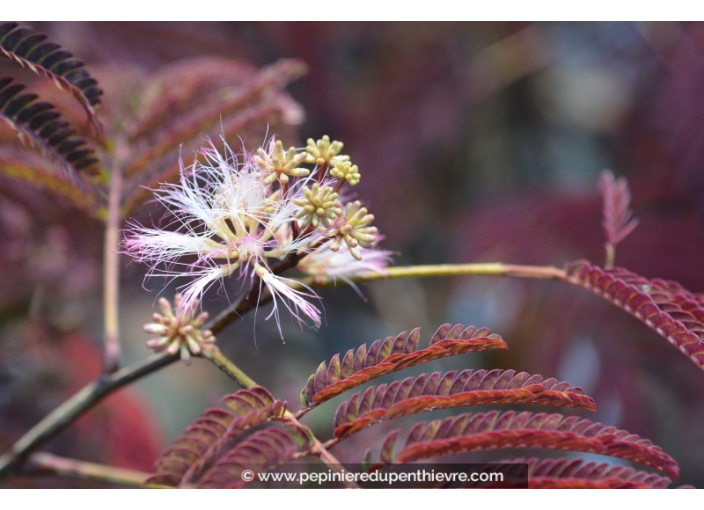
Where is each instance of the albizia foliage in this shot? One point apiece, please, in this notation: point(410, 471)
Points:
point(32, 50)
point(665, 306)
point(43, 125)
point(262, 451)
point(429, 392)
point(575, 473)
point(494, 430)
point(393, 354)
point(209, 434)
point(217, 447)
point(618, 219)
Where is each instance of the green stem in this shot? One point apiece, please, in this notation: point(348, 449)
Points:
point(46, 463)
point(217, 358)
point(443, 270)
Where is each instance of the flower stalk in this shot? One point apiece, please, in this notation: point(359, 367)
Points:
point(442, 270)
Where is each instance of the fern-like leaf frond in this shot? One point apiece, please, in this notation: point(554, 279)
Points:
point(205, 438)
point(179, 87)
point(22, 164)
point(43, 125)
point(618, 219)
point(450, 390)
point(391, 355)
point(30, 49)
point(494, 430)
point(665, 306)
point(263, 451)
point(197, 121)
point(576, 473)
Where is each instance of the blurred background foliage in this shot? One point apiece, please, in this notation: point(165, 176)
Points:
point(476, 142)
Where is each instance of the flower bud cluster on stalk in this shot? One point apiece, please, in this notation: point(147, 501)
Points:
point(178, 333)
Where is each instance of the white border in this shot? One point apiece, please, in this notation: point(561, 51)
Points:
point(362, 10)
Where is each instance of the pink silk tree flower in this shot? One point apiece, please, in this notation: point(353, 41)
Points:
point(226, 219)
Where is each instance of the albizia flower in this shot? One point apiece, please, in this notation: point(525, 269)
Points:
point(236, 216)
point(228, 221)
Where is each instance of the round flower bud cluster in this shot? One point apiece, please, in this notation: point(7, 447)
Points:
point(178, 332)
point(280, 165)
point(319, 207)
point(355, 229)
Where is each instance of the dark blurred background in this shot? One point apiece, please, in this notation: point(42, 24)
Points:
point(476, 142)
